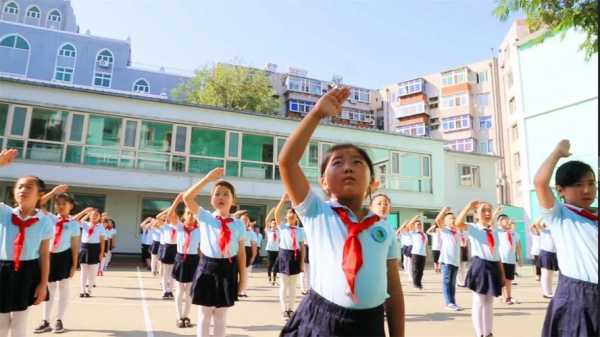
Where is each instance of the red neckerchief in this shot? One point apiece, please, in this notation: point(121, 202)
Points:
point(294, 240)
point(187, 236)
point(583, 212)
point(173, 233)
point(422, 236)
point(19, 242)
point(510, 238)
point(58, 231)
point(224, 235)
point(91, 229)
point(490, 239)
point(352, 259)
point(274, 232)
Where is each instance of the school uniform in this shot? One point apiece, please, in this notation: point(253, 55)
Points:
point(339, 303)
point(450, 261)
point(61, 258)
point(574, 310)
point(547, 259)
point(249, 237)
point(146, 241)
point(20, 270)
point(464, 249)
point(508, 241)
point(168, 249)
point(435, 245)
point(216, 279)
point(89, 252)
point(155, 234)
point(535, 252)
point(111, 233)
point(418, 256)
point(187, 258)
point(484, 276)
point(406, 240)
point(290, 244)
point(272, 248)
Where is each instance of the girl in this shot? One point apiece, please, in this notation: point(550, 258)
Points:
point(156, 242)
point(548, 262)
point(105, 221)
point(112, 242)
point(24, 257)
point(509, 246)
point(573, 311)
point(146, 239)
point(291, 249)
point(464, 259)
point(63, 257)
point(357, 269)
point(418, 252)
point(449, 256)
point(434, 232)
point(485, 276)
point(215, 285)
point(250, 240)
point(272, 247)
point(404, 231)
point(186, 262)
point(259, 244)
point(535, 250)
point(305, 274)
point(168, 250)
point(92, 248)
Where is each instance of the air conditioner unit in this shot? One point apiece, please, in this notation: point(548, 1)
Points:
point(352, 100)
point(103, 63)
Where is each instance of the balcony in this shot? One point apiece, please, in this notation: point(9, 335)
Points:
point(419, 107)
point(413, 87)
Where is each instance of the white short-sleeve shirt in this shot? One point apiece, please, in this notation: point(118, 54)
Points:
point(168, 234)
point(546, 240)
point(435, 240)
point(419, 243)
point(34, 235)
point(210, 230)
point(285, 241)
point(508, 251)
point(450, 247)
point(96, 234)
point(70, 230)
point(272, 240)
point(535, 244)
point(249, 237)
point(194, 240)
point(479, 244)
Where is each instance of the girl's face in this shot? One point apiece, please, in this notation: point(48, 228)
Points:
point(418, 226)
point(245, 219)
point(346, 175)
point(95, 216)
point(27, 193)
point(221, 199)
point(381, 206)
point(188, 217)
point(449, 220)
point(505, 223)
point(63, 207)
point(291, 217)
point(484, 213)
point(273, 224)
point(582, 194)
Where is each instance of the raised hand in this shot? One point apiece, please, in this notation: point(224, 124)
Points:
point(473, 204)
point(215, 174)
point(60, 189)
point(7, 156)
point(330, 104)
point(563, 148)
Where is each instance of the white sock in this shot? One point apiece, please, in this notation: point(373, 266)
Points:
point(409, 268)
point(14, 323)
point(219, 322)
point(47, 305)
point(488, 314)
point(477, 313)
point(283, 290)
point(154, 263)
point(63, 298)
point(108, 259)
point(204, 316)
point(546, 281)
point(187, 299)
point(167, 279)
point(83, 277)
point(92, 275)
point(306, 277)
point(179, 293)
point(4, 324)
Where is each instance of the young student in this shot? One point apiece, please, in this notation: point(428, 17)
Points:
point(186, 262)
point(548, 261)
point(418, 251)
point(305, 273)
point(259, 244)
point(146, 243)
point(215, 286)
point(290, 259)
point(25, 235)
point(434, 232)
point(535, 250)
point(509, 246)
point(485, 276)
point(272, 247)
point(464, 259)
point(105, 221)
point(399, 237)
point(250, 245)
point(112, 242)
point(356, 272)
point(405, 238)
point(156, 236)
point(167, 251)
point(64, 252)
point(92, 248)
point(449, 256)
point(573, 310)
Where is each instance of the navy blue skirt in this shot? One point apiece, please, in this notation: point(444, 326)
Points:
point(306, 260)
point(154, 247)
point(89, 253)
point(464, 254)
point(184, 269)
point(406, 251)
point(484, 277)
point(216, 282)
point(17, 288)
point(60, 265)
point(436, 255)
point(548, 260)
point(248, 256)
point(573, 311)
point(288, 262)
point(145, 252)
point(316, 317)
point(509, 271)
point(167, 253)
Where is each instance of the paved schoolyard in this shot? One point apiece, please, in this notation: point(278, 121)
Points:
point(127, 303)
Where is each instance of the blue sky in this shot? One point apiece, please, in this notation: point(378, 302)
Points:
point(370, 43)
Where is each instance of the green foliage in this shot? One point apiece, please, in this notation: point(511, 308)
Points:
point(230, 86)
point(557, 16)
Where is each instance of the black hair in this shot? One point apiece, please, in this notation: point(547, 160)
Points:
point(360, 151)
point(41, 186)
point(227, 185)
point(502, 216)
point(381, 195)
point(571, 172)
point(66, 197)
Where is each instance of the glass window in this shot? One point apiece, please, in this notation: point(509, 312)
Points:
point(17, 145)
point(85, 200)
point(207, 142)
point(485, 122)
point(130, 134)
point(33, 13)
point(44, 151)
point(257, 171)
point(63, 74)
point(153, 161)
point(3, 118)
point(469, 175)
point(178, 164)
point(105, 58)
point(515, 132)
point(180, 138)
point(203, 165)
point(14, 41)
point(18, 122)
point(48, 125)
point(67, 51)
point(141, 86)
point(156, 136)
point(483, 99)
point(234, 148)
point(102, 80)
point(257, 148)
point(104, 131)
point(482, 76)
point(54, 16)
point(11, 8)
point(128, 159)
point(73, 154)
point(233, 168)
point(151, 207)
point(101, 156)
point(77, 121)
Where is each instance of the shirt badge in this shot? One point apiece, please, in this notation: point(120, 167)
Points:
point(379, 234)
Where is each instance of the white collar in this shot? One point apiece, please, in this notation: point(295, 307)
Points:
point(335, 204)
point(17, 211)
point(574, 207)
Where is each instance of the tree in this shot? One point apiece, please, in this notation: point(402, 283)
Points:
point(557, 16)
point(230, 86)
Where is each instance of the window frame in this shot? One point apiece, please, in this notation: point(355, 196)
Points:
point(475, 179)
point(135, 84)
point(123, 134)
point(96, 73)
point(188, 131)
point(30, 10)
point(51, 18)
point(14, 8)
point(62, 47)
point(26, 124)
point(64, 69)
point(70, 126)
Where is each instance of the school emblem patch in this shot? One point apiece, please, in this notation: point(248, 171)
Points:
point(378, 234)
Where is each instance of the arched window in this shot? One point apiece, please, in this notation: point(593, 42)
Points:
point(141, 86)
point(55, 16)
point(67, 50)
point(11, 8)
point(34, 12)
point(105, 58)
point(14, 41)
point(103, 69)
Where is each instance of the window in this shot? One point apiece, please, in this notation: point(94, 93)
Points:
point(84, 201)
point(481, 77)
point(63, 74)
point(468, 175)
point(454, 77)
point(3, 118)
point(413, 130)
point(463, 145)
point(517, 160)
point(102, 80)
point(104, 59)
point(54, 16)
point(456, 123)
point(68, 50)
point(180, 138)
point(156, 136)
point(11, 8)
point(130, 138)
point(141, 86)
point(48, 125)
point(361, 95)
point(14, 41)
point(485, 122)
point(483, 99)
point(486, 146)
point(18, 121)
point(514, 130)
point(77, 122)
point(304, 85)
point(104, 131)
point(34, 13)
point(410, 172)
point(302, 107)
point(208, 142)
point(410, 87)
point(455, 100)
point(512, 105)
point(257, 148)
point(411, 109)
